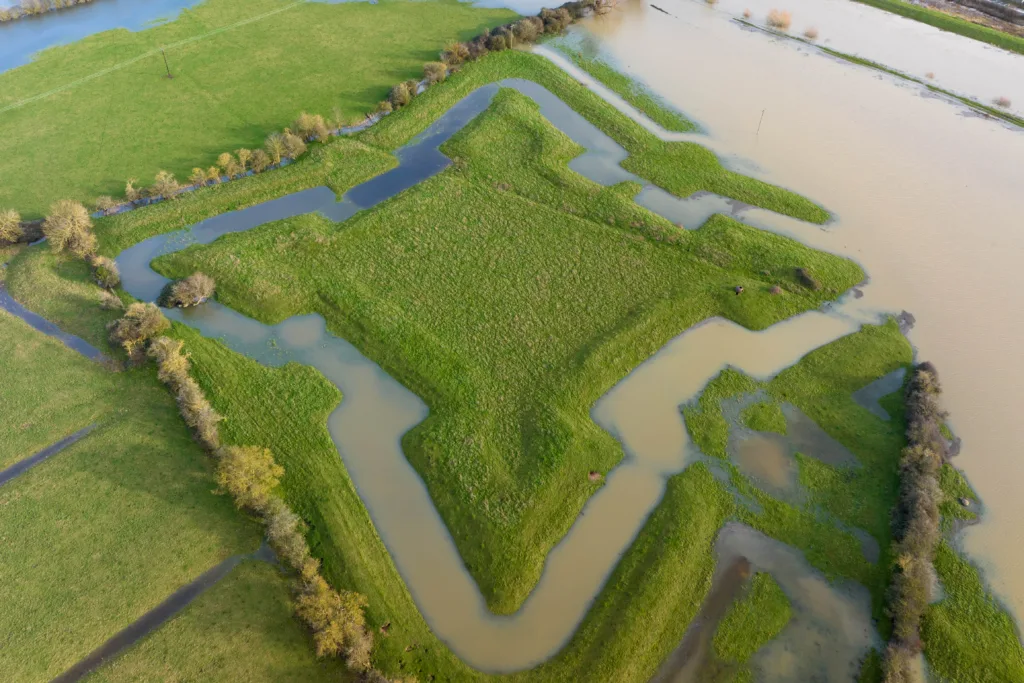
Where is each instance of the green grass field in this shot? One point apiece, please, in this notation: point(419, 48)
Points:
point(751, 622)
point(242, 629)
point(489, 291)
point(230, 88)
point(109, 527)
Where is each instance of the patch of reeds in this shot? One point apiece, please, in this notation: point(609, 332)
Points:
point(779, 19)
point(915, 522)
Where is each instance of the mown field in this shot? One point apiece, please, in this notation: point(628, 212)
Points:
point(538, 290)
point(233, 84)
point(105, 530)
point(242, 629)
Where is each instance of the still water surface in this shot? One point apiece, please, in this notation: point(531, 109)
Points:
point(927, 199)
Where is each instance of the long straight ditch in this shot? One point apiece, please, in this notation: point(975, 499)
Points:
point(23, 466)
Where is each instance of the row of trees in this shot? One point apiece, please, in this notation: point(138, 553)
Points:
point(915, 522)
point(251, 476)
point(522, 32)
point(28, 8)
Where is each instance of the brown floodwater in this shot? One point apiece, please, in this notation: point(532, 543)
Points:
point(926, 197)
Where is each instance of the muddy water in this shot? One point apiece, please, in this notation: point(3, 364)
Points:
point(927, 200)
point(826, 637)
point(642, 410)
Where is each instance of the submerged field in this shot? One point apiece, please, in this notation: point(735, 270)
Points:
point(509, 293)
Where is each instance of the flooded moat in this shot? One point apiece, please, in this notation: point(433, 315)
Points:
point(642, 411)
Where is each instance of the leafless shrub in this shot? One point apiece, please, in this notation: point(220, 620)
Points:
point(132, 193)
point(285, 533)
point(337, 621)
point(746, 14)
point(455, 53)
point(110, 301)
point(435, 72)
point(780, 19)
point(69, 227)
point(528, 29)
point(260, 160)
point(105, 272)
point(1003, 102)
point(930, 75)
point(171, 361)
point(274, 145)
point(165, 185)
point(294, 147)
point(384, 107)
point(189, 291)
point(712, 3)
point(106, 204)
point(811, 33)
point(244, 156)
point(198, 413)
point(399, 96)
point(139, 323)
point(10, 226)
point(311, 127)
point(249, 474)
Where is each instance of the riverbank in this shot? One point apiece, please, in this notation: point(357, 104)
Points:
point(951, 23)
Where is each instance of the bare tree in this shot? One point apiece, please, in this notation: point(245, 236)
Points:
point(260, 161)
point(274, 145)
point(10, 226)
point(68, 227)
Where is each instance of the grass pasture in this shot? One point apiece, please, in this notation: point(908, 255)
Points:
point(230, 88)
point(490, 290)
point(106, 529)
point(242, 629)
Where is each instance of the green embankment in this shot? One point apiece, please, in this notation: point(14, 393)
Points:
point(491, 291)
point(230, 88)
point(947, 22)
point(631, 91)
point(752, 622)
point(968, 635)
point(764, 416)
point(108, 528)
point(242, 629)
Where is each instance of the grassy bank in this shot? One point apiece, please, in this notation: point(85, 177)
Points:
point(946, 22)
point(489, 291)
point(242, 629)
point(631, 91)
point(751, 622)
point(108, 528)
point(233, 84)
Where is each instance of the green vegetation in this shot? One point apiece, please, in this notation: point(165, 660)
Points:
point(108, 528)
point(631, 91)
point(955, 488)
point(947, 22)
point(764, 416)
point(821, 385)
point(242, 629)
point(420, 284)
point(968, 636)
point(752, 621)
point(233, 83)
